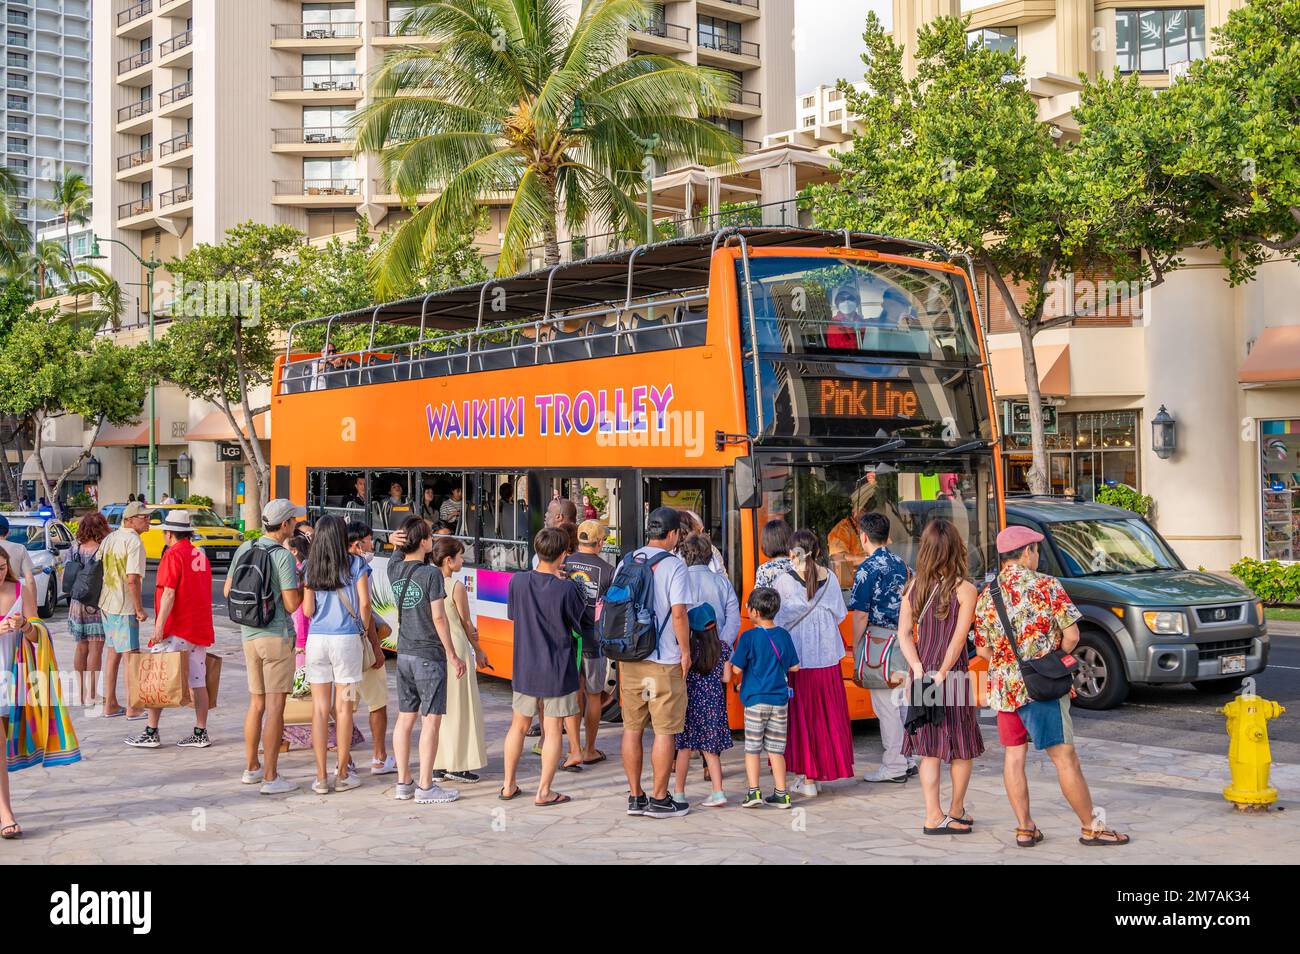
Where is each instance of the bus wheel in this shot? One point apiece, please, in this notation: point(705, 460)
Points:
point(612, 710)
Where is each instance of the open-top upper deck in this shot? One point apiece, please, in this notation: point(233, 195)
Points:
point(650, 298)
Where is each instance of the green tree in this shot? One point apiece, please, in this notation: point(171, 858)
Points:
point(51, 368)
point(71, 199)
point(958, 156)
point(15, 239)
point(232, 301)
point(15, 300)
point(1233, 138)
point(520, 98)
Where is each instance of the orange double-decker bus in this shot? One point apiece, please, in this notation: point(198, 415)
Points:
point(745, 374)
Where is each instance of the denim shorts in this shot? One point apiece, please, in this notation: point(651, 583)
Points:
point(1048, 723)
point(421, 685)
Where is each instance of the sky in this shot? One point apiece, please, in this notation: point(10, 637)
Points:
point(828, 39)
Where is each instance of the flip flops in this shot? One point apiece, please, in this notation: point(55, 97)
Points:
point(600, 757)
point(11, 831)
point(945, 827)
point(511, 797)
point(557, 800)
point(572, 767)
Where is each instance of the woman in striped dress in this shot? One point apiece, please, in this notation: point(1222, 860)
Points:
point(934, 620)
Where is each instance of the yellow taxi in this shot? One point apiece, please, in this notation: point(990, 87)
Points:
point(218, 541)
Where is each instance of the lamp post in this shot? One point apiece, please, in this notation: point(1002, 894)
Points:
point(150, 266)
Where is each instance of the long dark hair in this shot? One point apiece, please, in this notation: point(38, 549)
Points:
point(328, 563)
point(775, 539)
point(807, 542)
point(941, 562)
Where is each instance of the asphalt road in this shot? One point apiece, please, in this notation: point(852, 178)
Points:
point(1178, 717)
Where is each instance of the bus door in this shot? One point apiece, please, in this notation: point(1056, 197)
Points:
point(605, 496)
point(701, 494)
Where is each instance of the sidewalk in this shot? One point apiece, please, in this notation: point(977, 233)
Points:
point(127, 806)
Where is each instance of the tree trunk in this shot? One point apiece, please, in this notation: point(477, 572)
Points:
point(252, 447)
point(551, 231)
point(38, 441)
point(1038, 483)
point(11, 488)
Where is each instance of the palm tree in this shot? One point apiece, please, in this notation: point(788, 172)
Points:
point(15, 239)
point(105, 291)
point(71, 199)
point(521, 99)
point(40, 263)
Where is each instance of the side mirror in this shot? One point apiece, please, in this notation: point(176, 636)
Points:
point(746, 484)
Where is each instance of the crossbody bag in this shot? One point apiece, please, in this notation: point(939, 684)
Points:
point(1046, 677)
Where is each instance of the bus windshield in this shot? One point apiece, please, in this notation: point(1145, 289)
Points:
point(840, 306)
point(825, 498)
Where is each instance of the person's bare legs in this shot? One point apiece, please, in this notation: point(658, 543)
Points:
point(272, 734)
point(929, 775)
point(7, 816)
point(633, 758)
point(714, 763)
point(112, 661)
point(960, 771)
point(661, 764)
point(253, 731)
point(94, 662)
point(378, 732)
point(680, 770)
point(1073, 785)
point(752, 766)
point(402, 745)
point(571, 724)
point(344, 694)
point(429, 727)
point(591, 716)
point(778, 771)
point(552, 743)
point(1016, 783)
point(514, 750)
point(80, 658)
point(320, 726)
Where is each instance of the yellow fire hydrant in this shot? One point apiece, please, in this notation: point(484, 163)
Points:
point(1248, 753)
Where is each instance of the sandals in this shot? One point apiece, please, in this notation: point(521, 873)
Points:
point(534, 731)
point(557, 800)
point(11, 831)
point(600, 757)
point(1028, 837)
point(512, 796)
point(945, 827)
point(1098, 837)
point(571, 766)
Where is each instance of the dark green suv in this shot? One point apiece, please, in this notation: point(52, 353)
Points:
point(1146, 617)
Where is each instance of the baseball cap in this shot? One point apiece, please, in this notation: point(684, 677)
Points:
point(663, 521)
point(134, 509)
point(592, 531)
point(279, 510)
point(1014, 538)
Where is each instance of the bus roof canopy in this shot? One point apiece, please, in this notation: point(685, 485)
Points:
point(646, 270)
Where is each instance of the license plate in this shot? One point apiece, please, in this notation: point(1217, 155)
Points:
point(1230, 664)
point(220, 554)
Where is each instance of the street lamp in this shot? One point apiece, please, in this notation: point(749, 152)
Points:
point(93, 469)
point(1164, 434)
point(184, 465)
point(150, 266)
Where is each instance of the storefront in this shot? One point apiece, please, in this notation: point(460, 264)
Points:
point(1085, 452)
point(1279, 473)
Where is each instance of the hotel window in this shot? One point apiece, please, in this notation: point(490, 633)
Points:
point(718, 34)
point(998, 39)
point(809, 102)
point(1150, 41)
point(835, 115)
point(834, 96)
point(809, 121)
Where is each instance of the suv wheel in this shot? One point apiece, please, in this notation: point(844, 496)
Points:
point(1102, 682)
point(46, 609)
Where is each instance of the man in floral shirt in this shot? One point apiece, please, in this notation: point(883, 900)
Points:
point(1044, 620)
point(875, 599)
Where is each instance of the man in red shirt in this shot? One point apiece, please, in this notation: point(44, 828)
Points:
point(182, 623)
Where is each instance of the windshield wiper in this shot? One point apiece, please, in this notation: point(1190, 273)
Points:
point(884, 448)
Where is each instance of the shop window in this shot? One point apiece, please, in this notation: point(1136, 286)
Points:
point(1279, 466)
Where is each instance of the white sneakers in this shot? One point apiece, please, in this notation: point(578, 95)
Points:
point(387, 767)
point(278, 786)
point(252, 777)
point(805, 787)
point(880, 775)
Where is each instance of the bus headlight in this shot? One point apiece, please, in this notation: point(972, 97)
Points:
point(1166, 622)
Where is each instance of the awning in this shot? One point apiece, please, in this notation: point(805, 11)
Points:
point(1008, 366)
point(128, 435)
point(56, 459)
point(215, 427)
point(1275, 359)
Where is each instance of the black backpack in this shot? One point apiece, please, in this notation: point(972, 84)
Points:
point(87, 579)
point(254, 593)
point(625, 617)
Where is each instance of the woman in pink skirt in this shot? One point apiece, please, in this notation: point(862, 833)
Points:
point(933, 622)
point(819, 746)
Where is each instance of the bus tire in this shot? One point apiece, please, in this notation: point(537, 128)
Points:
point(613, 709)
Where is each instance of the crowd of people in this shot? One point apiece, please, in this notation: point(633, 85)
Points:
point(315, 626)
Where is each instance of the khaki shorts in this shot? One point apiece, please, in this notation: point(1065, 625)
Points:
point(652, 694)
point(553, 707)
point(269, 660)
point(374, 688)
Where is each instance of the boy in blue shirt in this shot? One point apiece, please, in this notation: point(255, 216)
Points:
point(763, 656)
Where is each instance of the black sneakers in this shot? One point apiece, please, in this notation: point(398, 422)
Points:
point(666, 808)
point(637, 804)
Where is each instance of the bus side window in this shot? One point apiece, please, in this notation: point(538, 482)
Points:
point(504, 506)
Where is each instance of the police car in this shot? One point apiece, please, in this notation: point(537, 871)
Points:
point(47, 542)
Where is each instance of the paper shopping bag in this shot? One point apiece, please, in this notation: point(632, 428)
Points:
point(156, 680)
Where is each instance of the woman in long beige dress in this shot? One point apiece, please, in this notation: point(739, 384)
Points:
point(461, 745)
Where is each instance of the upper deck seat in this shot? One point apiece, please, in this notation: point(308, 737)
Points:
point(691, 326)
point(654, 331)
point(494, 355)
point(296, 377)
point(429, 364)
point(571, 345)
point(379, 371)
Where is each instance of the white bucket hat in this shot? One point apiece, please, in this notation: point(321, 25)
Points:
point(177, 521)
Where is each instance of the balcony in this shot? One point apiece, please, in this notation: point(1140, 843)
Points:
point(389, 33)
point(730, 9)
point(130, 210)
point(172, 200)
point(18, 81)
point(314, 141)
point(134, 68)
point(316, 37)
point(133, 21)
point(134, 115)
point(177, 101)
point(326, 89)
point(135, 166)
point(18, 61)
point(317, 193)
point(715, 50)
point(659, 36)
point(17, 19)
point(745, 104)
point(18, 125)
point(177, 151)
point(181, 43)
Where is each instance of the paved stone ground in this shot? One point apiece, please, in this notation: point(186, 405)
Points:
point(125, 806)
